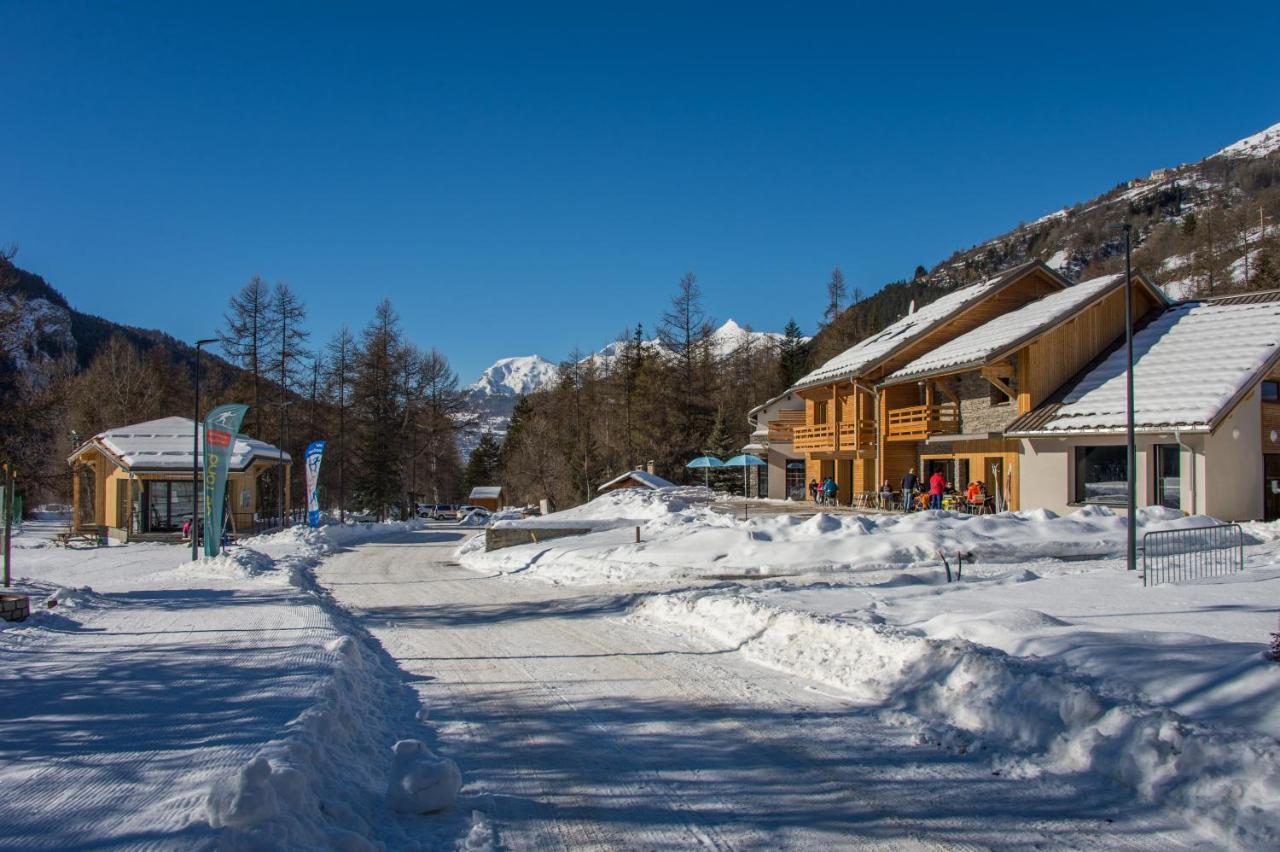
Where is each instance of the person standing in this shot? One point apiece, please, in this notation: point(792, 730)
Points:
point(813, 490)
point(937, 485)
point(909, 483)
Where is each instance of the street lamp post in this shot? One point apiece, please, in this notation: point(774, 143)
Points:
point(195, 457)
point(1131, 450)
point(280, 459)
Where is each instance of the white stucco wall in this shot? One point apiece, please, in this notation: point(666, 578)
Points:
point(779, 451)
point(1233, 462)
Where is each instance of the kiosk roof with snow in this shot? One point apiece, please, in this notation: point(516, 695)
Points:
point(636, 479)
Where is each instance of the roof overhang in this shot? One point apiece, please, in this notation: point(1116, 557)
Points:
point(1009, 349)
point(1010, 276)
point(1170, 429)
point(965, 436)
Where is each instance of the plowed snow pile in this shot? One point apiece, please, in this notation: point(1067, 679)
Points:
point(683, 537)
point(223, 702)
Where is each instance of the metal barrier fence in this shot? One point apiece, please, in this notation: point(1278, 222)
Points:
point(1171, 556)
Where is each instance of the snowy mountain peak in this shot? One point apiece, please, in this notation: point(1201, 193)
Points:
point(515, 376)
point(1258, 145)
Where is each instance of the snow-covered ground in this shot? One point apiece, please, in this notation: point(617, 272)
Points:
point(159, 703)
point(1047, 654)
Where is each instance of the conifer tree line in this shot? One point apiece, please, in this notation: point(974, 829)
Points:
point(663, 402)
point(389, 410)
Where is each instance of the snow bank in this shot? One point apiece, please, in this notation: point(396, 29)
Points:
point(1046, 719)
point(324, 781)
point(333, 537)
point(688, 539)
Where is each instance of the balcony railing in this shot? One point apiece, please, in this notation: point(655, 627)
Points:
point(781, 429)
point(860, 436)
point(814, 439)
point(822, 437)
point(917, 422)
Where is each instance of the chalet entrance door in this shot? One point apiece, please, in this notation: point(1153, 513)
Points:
point(1271, 486)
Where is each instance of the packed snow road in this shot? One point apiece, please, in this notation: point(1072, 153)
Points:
point(577, 728)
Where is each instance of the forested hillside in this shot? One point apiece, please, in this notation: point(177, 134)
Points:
point(1200, 229)
point(389, 409)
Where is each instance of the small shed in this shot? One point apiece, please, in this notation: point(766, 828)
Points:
point(134, 482)
point(487, 497)
point(636, 479)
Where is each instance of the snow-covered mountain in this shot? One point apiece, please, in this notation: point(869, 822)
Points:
point(514, 376)
point(493, 395)
point(724, 341)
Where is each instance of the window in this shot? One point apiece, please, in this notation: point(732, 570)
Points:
point(820, 412)
point(1101, 475)
point(1271, 390)
point(1169, 475)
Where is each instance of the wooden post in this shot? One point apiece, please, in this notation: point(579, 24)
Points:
point(7, 508)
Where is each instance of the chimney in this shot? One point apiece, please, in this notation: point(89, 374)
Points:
point(648, 466)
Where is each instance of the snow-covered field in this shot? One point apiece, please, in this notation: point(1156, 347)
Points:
point(155, 702)
point(1047, 654)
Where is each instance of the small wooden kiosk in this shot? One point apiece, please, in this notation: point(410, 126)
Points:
point(134, 482)
point(487, 497)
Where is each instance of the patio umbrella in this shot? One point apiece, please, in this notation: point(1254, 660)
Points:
point(706, 463)
point(744, 461)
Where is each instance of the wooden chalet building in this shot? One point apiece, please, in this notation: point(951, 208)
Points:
point(860, 433)
point(982, 381)
point(1019, 382)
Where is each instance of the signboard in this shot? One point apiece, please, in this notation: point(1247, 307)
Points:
point(220, 430)
point(315, 454)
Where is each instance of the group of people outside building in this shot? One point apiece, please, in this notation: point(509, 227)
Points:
point(915, 495)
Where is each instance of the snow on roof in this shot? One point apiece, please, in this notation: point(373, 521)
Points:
point(486, 492)
point(165, 444)
point(996, 336)
point(871, 350)
point(648, 480)
point(1190, 364)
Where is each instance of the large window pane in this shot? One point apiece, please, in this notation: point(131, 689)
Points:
point(1101, 475)
point(795, 479)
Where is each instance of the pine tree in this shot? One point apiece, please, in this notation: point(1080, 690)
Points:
point(836, 292)
point(485, 465)
point(379, 406)
point(247, 340)
point(793, 354)
point(340, 354)
point(684, 331)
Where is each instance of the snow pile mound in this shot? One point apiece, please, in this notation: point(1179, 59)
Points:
point(324, 780)
point(637, 504)
point(421, 782)
point(330, 538)
point(687, 539)
point(1051, 720)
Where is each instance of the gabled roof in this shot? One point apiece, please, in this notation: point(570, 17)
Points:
point(869, 352)
point(1192, 364)
point(486, 492)
point(165, 444)
point(648, 480)
point(1007, 333)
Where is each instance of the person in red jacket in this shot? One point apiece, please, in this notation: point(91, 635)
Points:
point(937, 484)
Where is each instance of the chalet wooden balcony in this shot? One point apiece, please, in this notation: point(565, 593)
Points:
point(918, 422)
point(860, 436)
point(814, 439)
point(781, 430)
point(840, 437)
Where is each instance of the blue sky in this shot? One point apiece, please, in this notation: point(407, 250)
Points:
point(520, 179)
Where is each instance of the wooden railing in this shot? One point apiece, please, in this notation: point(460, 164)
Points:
point(814, 439)
point(917, 422)
point(783, 427)
point(864, 435)
point(822, 437)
